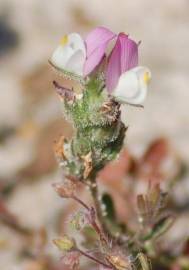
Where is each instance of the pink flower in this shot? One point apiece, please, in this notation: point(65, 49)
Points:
point(123, 57)
point(124, 79)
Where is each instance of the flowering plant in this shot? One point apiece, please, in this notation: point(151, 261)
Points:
point(106, 66)
point(107, 80)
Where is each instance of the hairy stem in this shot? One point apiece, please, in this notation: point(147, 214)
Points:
point(93, 222)
point(97, 204)
point(81, 202)
point(93, 258)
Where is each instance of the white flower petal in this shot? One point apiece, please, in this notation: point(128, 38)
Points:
point(61, 56)
point(75, 63)
point(132, 86)
point(77, 43)
point(70, 54)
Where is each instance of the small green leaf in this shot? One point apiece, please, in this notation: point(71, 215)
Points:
point(90, 237)
point(65, 243)
point(162, 226)
point(110, 218)
point(109, 206)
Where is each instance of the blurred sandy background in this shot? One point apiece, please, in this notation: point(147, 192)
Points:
point(30, 112)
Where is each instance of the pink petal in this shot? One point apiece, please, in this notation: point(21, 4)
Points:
point(94, 59)
point(124, 56)
point(129, 53)
point(98, 37)
point(96, 44)
point(113, 71)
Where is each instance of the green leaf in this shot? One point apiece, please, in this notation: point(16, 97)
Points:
point(110, 217)
point(90, 237)
point(109, 206)
point(160, 228)
point(64, 243)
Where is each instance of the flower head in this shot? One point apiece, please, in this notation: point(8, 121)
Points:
point(124, 79)
point(70, 54)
